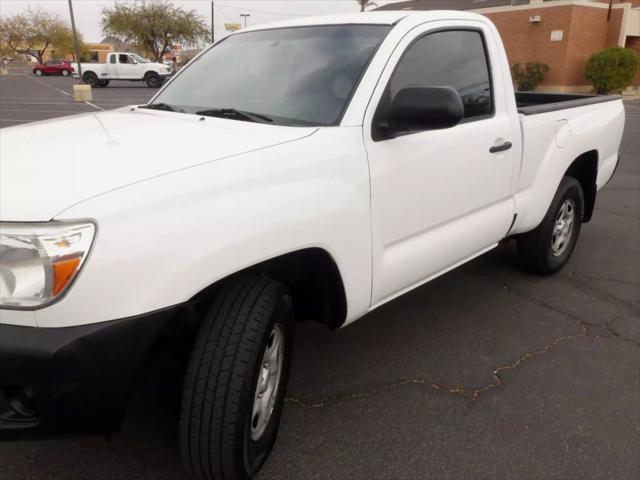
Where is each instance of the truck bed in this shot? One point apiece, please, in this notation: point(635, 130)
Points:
point(530, 103)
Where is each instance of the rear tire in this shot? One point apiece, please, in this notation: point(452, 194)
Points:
point(153, 80)
point(38, 73)
point(64, 73)
point(232, 399)
point(91, 79)
point(103, 83)
point(547, 249)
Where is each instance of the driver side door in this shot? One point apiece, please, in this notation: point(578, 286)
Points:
point(439, 197)
point(128, 68)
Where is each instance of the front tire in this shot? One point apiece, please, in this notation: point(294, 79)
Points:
point(38, 73)
point(547, 249)
point(65, 73)
point(236, 380)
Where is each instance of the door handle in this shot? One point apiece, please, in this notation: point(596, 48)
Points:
point(500, 148)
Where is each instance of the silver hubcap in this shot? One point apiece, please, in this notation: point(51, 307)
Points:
point(563, 229)
point(268, 382)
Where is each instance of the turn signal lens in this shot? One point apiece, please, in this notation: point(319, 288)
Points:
point(38, 262)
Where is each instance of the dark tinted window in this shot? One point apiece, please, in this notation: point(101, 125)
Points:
point(112, 59)
point(452, 58)
point(123, 58)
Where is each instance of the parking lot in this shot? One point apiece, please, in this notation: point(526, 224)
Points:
point(486, 372)
point(27, 98)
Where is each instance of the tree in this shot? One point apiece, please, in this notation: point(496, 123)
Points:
point(611, 69)
point(154, 26)
point(529, 75)
point(65, 46)
point(33, 32)
point(366, 3)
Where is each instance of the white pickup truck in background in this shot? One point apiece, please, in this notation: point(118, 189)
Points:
point(123, 66)
point(325, 166)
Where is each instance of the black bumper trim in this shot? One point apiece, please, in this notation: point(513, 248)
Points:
point(78, 379)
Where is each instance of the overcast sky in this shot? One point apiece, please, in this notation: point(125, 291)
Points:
point(87, 12)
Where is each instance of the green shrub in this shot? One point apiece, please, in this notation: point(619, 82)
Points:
point(529, 75)
point(611, 69)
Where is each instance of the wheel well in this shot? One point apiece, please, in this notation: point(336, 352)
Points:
point(585, 170)
point(88, 73)
point(311, 275)
point(151, 73)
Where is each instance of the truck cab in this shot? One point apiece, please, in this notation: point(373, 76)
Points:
point(125, 66)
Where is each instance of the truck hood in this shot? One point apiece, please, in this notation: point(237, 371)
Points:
point(46, 167)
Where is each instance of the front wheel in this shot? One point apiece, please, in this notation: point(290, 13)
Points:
point(235, 385)
point(548, 248)
point(37, 72)
point(65, 73)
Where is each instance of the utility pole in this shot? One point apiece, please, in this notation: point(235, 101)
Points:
point(245, 15)
point(212, 37)
point(76, 48)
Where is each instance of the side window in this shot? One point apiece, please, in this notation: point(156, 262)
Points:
point(123, 58)
point(453, 58)
point(112, 58)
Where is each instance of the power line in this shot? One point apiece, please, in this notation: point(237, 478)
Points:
point(265, 12)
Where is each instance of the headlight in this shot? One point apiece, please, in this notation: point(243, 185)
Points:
point(38, 262)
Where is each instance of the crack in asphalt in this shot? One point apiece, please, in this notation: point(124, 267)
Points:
point(584, 332)
point(469, 394)
point(615, 334)
point(616, 214)
point(604, 279)
point(472, 394)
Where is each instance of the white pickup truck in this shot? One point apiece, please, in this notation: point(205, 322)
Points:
point(321, 168)
point(123, 66)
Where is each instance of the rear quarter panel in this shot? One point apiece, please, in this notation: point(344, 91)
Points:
point(551, 142)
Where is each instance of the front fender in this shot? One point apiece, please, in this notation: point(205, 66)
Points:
point(163, 240)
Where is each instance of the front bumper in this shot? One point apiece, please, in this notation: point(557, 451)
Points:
point(73, 379)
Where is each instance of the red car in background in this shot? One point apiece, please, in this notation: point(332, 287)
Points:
point(53, 67)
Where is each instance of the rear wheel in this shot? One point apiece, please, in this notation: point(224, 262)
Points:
point(91, 79)
point(65, 73)
point(235, 384)
point(38, 73)
point(153, 80)
point(103, 83)
point(548, 248)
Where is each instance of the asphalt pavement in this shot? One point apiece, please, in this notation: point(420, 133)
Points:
point(486, 372)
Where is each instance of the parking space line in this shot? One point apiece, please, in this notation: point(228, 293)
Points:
point(95, 106)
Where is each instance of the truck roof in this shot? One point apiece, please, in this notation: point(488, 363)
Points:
point(369, 18)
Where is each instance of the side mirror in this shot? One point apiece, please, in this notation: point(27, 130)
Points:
point(416, 109)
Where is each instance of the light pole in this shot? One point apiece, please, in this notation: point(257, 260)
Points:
point(76, 48)
point(245, 15)
point(212, 38)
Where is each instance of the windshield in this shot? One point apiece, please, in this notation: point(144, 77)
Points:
point(291, 76)
point(138, 58)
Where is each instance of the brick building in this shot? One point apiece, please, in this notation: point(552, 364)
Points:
point(560, 33)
